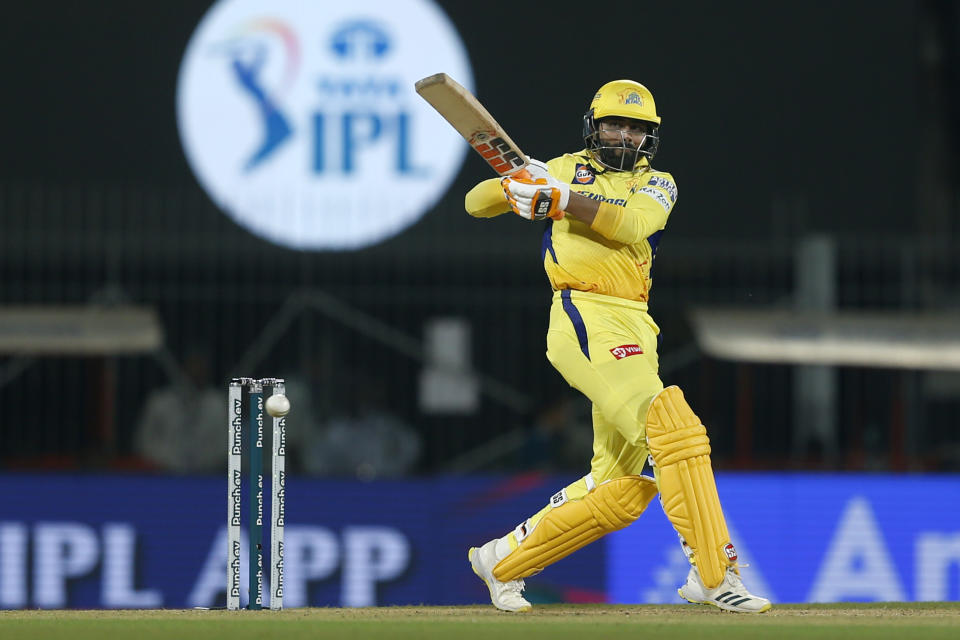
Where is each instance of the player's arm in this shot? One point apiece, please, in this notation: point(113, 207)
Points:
point(646, 214)
point(486, 200)
point(583, 208)
point(628, 225)
point(489, 198)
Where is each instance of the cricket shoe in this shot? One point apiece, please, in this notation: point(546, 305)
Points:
point(730, 595)
point(506, 596)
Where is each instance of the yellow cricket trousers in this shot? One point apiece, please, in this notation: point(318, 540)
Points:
point(606, 348)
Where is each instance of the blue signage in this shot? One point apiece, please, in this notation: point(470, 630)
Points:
point(136, 541)
point(88, 541)
point(811, 538)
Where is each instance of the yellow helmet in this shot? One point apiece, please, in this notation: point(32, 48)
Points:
point(623, 99)
point(627, 99)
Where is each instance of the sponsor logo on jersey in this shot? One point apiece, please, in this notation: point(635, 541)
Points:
point(583, 175)
point(626, 350)
point(596, 196)
point(666, 185)
point(730, 551)
point(658, 196)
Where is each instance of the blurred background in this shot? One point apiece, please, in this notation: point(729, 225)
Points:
point(807, 287)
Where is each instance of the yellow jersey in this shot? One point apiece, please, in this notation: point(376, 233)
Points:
point(614, 255)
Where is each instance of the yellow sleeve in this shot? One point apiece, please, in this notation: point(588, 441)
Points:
point(646, 214)
point(628, 225)
point(486, 200)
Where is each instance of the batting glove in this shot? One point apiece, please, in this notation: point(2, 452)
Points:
point(537, 170)
point(538, 196)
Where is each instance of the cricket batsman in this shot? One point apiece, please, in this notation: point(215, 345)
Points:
point(606, 208)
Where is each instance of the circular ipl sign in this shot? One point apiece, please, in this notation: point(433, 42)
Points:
point(300, 120)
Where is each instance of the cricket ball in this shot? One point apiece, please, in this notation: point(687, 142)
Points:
point(277, 406)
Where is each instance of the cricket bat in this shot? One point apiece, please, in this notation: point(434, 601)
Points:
point(465, 113)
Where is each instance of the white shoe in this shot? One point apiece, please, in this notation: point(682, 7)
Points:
point(506, 596)
point(730, 595)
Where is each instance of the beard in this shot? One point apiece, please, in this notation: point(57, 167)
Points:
point(621, 158)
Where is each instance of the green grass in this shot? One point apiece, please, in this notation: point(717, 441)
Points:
point(900, 621)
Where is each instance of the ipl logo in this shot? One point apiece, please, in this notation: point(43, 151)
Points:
point(300, 120)
point(247, 59)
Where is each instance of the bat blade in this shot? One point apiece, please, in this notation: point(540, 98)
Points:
point(472, 121)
